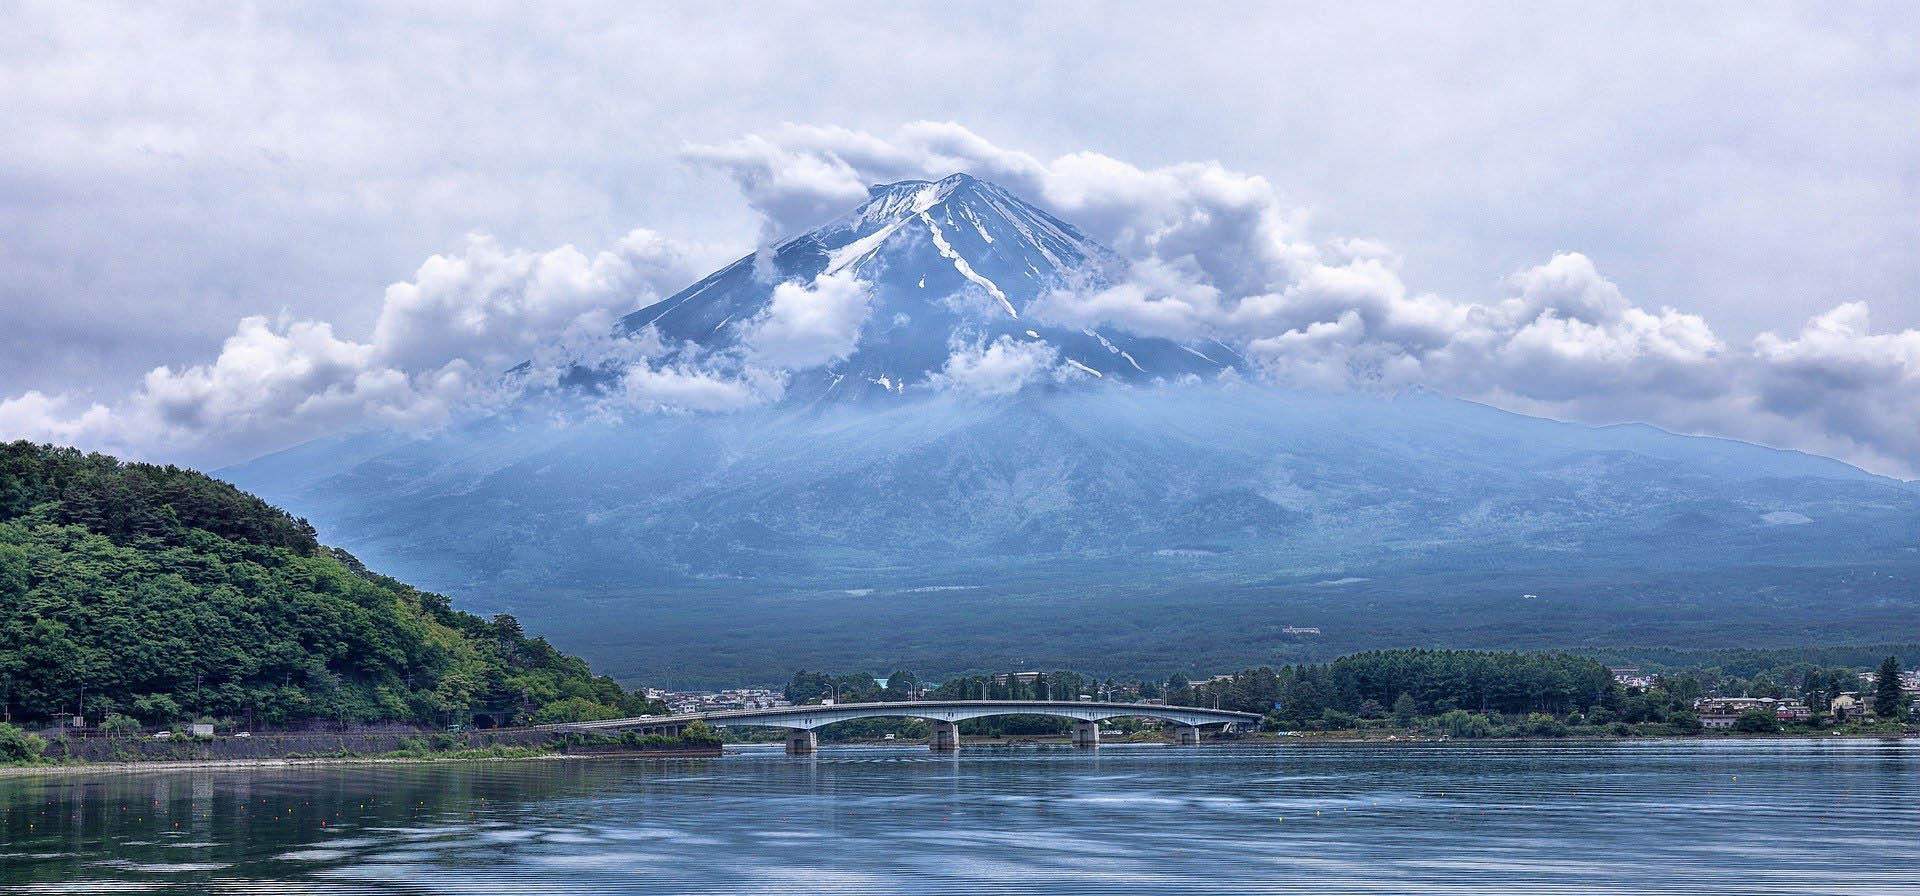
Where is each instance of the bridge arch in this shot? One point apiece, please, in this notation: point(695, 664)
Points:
point(945, 715)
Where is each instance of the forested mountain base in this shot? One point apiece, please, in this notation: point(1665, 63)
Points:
point(1460, 693)
point(158, 593)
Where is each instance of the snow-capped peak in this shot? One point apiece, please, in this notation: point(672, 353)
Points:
point(950, 262)
point(983, 232)
point(912, 197)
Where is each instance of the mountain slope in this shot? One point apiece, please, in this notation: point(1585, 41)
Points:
point(951, 263)
point(1145, 514)
point(159, 593)
point(1169, 500)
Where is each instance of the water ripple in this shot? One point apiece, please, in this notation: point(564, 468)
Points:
point(1766, 817)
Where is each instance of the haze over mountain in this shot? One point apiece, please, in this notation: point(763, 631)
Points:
point(950, 480)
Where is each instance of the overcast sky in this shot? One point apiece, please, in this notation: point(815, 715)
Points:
point(166, 175)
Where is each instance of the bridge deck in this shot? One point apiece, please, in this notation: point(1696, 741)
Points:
point(814, 716)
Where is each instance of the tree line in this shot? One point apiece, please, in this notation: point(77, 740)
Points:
point(135, 591)
point(1431, 681)
point(901, 685)
point(1434, 681)
point(1466, 692)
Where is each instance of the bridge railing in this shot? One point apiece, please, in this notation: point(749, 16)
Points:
point(820, 714)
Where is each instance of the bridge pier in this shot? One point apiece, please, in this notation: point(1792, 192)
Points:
point(1086, 734)
point(942, 717)
point(943, 737)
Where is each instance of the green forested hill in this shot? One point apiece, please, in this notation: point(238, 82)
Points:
point(161, 593)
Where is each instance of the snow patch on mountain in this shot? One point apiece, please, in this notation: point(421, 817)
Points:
point(946, 270)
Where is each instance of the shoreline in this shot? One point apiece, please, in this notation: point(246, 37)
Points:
point(61, 768)
point(173, 765)
point(1350, 737)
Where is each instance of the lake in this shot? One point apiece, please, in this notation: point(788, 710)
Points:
point(1778, 816)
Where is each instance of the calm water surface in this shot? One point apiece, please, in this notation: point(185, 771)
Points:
point(1717, 816)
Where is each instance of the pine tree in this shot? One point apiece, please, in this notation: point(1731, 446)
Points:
point(1404, 709)
point(1886, 690)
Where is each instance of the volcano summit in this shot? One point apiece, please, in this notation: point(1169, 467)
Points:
point(944, 271)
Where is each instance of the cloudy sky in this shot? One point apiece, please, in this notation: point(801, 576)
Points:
point(225, 229)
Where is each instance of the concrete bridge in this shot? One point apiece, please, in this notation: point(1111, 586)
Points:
point(945, 716)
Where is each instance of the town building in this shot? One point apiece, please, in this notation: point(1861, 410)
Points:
point(722, 701)
point(1723, 712)
point(1909, 683)
point(1731, 705)
point(1631, 677)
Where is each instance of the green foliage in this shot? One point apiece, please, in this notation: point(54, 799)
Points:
point(119, 724)
point(575, 709)
point(1335, 719)
point(697, 732)
point(812, 687)
point(1886, 689)
point(1404, 709)
point(1019, 725)
point(156, 709)
point(1407, 680)
point(873, 729)
point(1542, 724)
point(901, 685)
point(131, 501)
point(1460, 723)
point(445, 746)
point(1757, 721)
point(1749, 662)
point(162, 594)
point(19, 746)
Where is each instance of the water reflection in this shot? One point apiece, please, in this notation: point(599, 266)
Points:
point(1747, 816)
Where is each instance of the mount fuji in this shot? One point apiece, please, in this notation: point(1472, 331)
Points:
point(1145, 512)
point(949, 263)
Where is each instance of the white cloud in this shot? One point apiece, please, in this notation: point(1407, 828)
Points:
point(1209, 252)
point(53, 418)
point(686, 387)
point(494, 307)
point(809, 325)
point(160, 160)
point(802, 175)
point(268, 386)
point(1001, 367)
point(1856, 386)
point(1214, 253)
point(439, 349)
point(1566, 332)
